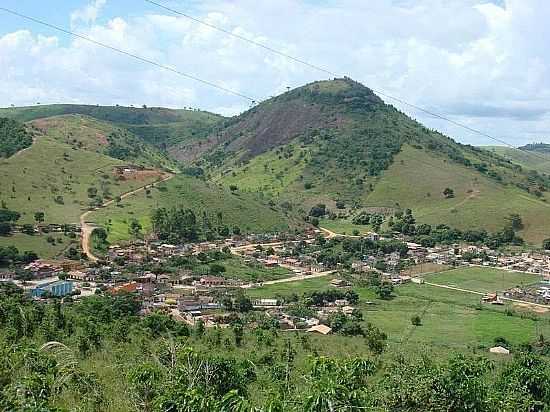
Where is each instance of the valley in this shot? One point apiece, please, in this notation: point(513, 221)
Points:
point(321, 225)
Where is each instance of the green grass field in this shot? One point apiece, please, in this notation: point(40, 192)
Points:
point(451, 320)
point(38, 244)
point(482, 279)
point(417, 180)
point(241, 209)
point(236, 268)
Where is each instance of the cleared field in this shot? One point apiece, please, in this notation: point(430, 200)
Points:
point(38, 244)
point(482, 279)
point(236, 268)
point(238, 209)
point(451, 320)
point(417, 180)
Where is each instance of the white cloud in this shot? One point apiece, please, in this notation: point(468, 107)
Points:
point(88, 14)
point(482, 63)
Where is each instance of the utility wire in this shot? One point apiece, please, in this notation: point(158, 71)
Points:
point(126, 53)
point(331, 73)
point(243, 38)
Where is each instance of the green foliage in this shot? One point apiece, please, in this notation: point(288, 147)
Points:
point(13, 137)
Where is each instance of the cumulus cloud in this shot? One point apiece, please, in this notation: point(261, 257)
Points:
point(88, 14)
point(483, 63)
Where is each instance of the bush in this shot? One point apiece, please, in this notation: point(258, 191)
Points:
point(416, 321)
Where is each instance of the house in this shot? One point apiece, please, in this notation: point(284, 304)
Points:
point(129, 287)
point(375, 237)
point(7, 276)
point(322, 329)
point(212, 281)
point(338, 283)
point(499, 350)
point(265, 302)
point(58, 288)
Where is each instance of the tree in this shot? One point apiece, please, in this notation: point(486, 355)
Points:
point(546, 244)
point(515, 221)
point(233, 188)
point(416, 321)
point(134, 228)
point(39, 217)
point(318, 210)
point(448, 193)
point(5, 229)
point(385, 290)
point(92, 192)
point(243, 303)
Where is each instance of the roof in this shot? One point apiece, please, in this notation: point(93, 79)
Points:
point(322, 329)
point(500, 350)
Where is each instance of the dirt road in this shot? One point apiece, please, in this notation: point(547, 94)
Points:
point(86, 228)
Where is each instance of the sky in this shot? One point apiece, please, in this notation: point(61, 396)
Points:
point(482, 63)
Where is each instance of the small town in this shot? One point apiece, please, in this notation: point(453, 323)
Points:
point(275, 206)
point(189, 295)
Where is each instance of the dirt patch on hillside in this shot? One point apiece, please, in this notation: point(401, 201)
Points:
point(136, 174)
point(277, 125)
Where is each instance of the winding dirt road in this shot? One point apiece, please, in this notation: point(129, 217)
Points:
point(87, 228)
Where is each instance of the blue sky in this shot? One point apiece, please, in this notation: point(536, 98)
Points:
point(483, 63)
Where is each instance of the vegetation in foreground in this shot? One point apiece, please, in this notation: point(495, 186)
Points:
point(60, 357)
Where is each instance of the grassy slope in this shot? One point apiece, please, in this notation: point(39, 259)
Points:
point(239, 209)
point(85, 132)
point(34, 177)
point(115, 114)
point(523, 158)
point(450, 319)
point(38, 244)
point(417, 179)
point(160, 127)
point(270, 172)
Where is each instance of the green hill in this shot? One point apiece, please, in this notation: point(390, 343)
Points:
point(158, 126)
point(86, 133)
point(337, 141)
point(55, 177)
point(222, 207)
point(530, 157)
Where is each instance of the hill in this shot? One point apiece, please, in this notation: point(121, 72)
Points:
point(531, 157)
point(86, 133)
point(76, 163)
point(336, 140)
point(158, 126)
point(222, 207)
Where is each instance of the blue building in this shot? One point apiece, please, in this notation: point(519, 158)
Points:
point(57, 288)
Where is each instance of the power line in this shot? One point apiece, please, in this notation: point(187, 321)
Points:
point(126, 53)
point(331, 73)
point(243, 38)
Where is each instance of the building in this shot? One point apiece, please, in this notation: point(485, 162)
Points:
point(57, 288)
point(265, 302)
point(499, 350)
point(322, 329)
point(212, 281)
